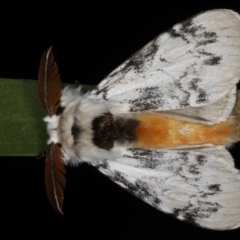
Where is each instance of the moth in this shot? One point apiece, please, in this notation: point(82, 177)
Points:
point(159, 125)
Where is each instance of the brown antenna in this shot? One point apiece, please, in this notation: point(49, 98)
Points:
point(50, 87)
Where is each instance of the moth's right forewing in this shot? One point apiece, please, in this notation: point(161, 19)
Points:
point(195, 64)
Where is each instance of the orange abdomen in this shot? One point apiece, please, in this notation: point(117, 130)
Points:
point(155, 131)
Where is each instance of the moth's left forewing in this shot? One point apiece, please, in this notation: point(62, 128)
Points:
point(195, 64)
point(200, 186)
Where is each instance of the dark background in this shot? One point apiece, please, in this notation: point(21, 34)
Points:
point(89, 41)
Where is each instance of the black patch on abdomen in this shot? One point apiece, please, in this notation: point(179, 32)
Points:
point(126, 129)
point(106, 130)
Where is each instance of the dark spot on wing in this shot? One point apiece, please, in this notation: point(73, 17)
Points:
point(148, 158)
point(203, 52)
point(184, 99)
point(183, 75)
point(103, 91)
point(104, 165)
point(207, 38)
point(176, 34)
point(202, 96)
point(140, 153)
point(192, 213)
point(151, 51)
point(209, 35)
point(138, 188)
point(188, 29)
point(183, 156)
point(193, 170)
point(213, 61)
point(193, 84)
point(211, 207)
point(150, 98)
point(185, 29)
point(162, 59)
point(138, 60)
point(189, 215)
point(210, 191)
point(201, 160)
point(205, 42)
point(186, 214)
point(184, 102)
point(215, 188)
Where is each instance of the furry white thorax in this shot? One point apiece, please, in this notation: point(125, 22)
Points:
point(80, 110)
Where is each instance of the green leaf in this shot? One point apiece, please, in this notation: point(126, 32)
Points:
point(22, 130)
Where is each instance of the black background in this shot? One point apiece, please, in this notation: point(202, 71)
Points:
point(89, 41)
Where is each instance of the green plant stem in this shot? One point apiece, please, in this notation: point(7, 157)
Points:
point(22, 130)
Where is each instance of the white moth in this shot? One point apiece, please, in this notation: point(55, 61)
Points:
point(160, 123)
